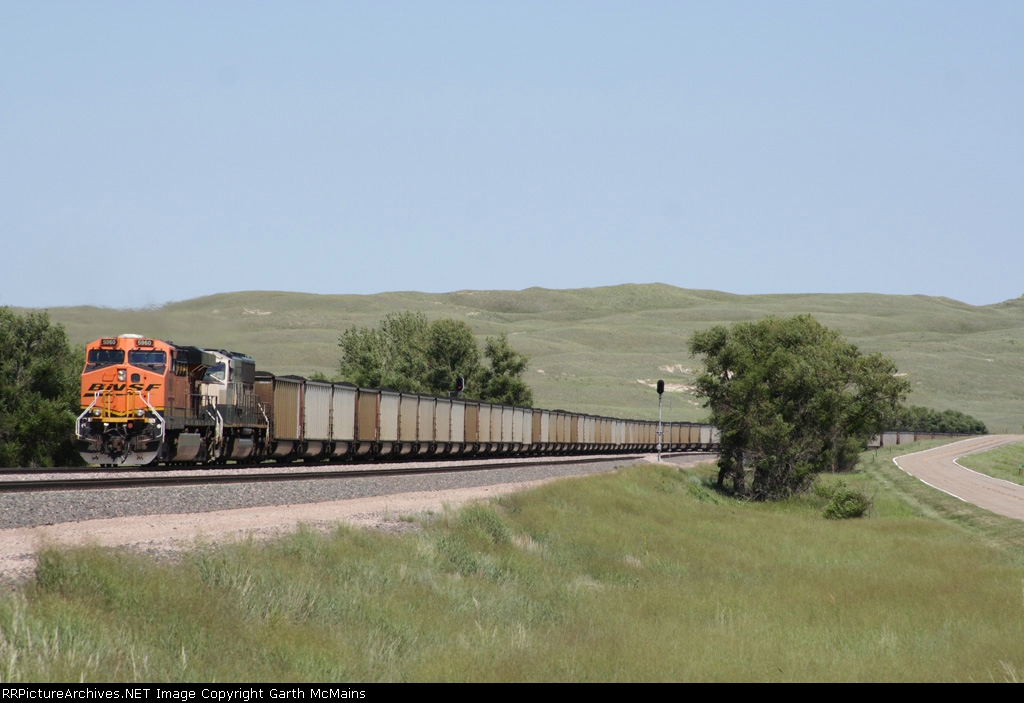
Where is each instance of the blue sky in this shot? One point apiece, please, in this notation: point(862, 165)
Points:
point(162, 151)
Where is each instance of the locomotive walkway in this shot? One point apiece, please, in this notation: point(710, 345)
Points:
point(938, 468)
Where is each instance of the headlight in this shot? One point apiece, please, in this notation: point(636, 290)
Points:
point(97, 412)
point(121, 375)
point(140, 413)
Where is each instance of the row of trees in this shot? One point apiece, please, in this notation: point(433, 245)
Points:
point(409, 353)
point(914, 418)
point(39, 387)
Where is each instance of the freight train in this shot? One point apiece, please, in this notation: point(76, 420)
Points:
point(147, 401)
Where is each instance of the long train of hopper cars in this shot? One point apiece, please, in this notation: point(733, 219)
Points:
point(147, 401)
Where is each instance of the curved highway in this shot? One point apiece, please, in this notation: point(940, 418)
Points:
point(938, 468)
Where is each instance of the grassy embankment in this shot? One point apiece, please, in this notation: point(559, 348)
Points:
point(645, 574)
point(1006, 462)
point(600, 350)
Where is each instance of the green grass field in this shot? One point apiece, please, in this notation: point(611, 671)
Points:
point(1006, 462)
point(646, 574)
point(600, 350)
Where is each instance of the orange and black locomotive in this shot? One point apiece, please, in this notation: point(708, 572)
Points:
point(145, 400)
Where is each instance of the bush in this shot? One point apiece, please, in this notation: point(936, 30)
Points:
point(844, 502)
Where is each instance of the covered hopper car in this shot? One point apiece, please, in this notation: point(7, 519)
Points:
point(147, 401)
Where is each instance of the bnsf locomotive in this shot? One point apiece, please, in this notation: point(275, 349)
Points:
point(147, 401)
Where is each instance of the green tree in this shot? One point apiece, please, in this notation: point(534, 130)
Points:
point(791, 398)
point(39, 391)
point(408, 353)
point(452, 352)
point(393, 355)
point(503, 381)
point(914, 418)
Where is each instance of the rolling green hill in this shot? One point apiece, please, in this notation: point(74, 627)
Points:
point(600, 350)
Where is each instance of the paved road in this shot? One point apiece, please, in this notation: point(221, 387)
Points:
point(938, 468)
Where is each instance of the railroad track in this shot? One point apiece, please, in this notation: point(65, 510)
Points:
point(26, 481)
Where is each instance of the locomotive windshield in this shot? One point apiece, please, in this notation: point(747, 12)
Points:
point(99, 358)
point(149, 359)
point(215, 374)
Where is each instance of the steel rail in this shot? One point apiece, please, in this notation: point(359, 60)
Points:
point(385, 460)
point(204, 478)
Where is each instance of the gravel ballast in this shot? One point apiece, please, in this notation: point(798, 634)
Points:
point(58, 506)
point(162, 521)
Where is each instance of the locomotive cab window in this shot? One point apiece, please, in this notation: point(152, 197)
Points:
point(215, 374)
point(100, 358)
point(149, 359)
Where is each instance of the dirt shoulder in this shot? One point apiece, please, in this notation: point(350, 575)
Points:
point(163, 534)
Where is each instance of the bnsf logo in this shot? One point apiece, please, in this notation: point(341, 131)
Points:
point(122, 386)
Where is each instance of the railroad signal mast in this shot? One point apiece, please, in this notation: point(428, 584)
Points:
point(661, 391)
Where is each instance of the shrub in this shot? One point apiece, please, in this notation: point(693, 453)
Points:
point(845, 502)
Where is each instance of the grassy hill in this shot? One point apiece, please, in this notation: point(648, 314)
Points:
point(600, 350)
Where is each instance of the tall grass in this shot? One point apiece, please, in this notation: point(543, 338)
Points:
point(647, 574)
